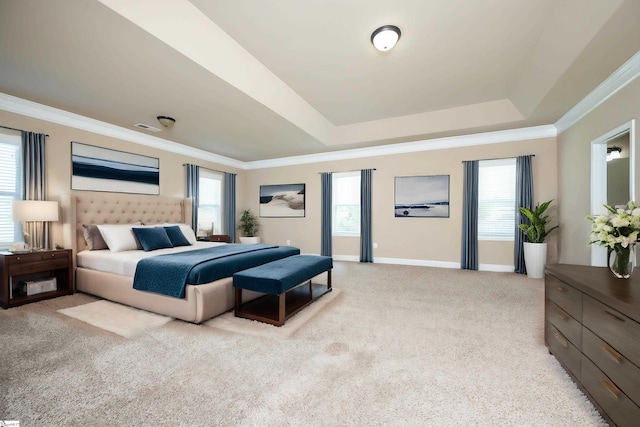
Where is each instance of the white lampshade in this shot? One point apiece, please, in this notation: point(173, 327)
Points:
point(34, 210)
point(385, 37)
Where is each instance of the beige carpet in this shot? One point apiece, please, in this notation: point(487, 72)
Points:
point(117, 318)
point(400, 346)
point(230, 323)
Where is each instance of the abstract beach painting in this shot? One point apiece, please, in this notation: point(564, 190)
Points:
point(422, 196)
point(101, 169)
point(282, 200)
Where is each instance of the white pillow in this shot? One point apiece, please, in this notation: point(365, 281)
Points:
point(186, 230)
point(119, 237)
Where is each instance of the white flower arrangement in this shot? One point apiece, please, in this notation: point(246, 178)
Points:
point(616, 229)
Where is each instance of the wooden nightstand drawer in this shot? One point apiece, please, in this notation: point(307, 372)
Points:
point(615, 328)
point(562, 348)
point(622, 372)
point(611, 399)
point(570, 327)
point(24, 258)
point(566, 297)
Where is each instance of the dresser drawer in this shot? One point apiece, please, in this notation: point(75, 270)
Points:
point(619, 331)
point(570, 327)
point(564, 351)
point(611, 399)
point(566, 297)
point(623, 373)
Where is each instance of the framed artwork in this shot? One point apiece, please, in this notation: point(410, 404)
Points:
point(282, 201)
point(422, 196)
point(102, 169)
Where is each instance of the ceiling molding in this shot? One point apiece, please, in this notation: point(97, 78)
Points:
point(43, 112)
point(512, 135)
point(624, 75)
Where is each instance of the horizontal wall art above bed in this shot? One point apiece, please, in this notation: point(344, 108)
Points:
point(102, 169)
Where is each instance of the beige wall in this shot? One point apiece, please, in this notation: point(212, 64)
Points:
point(421, 239)
point(574, 164)
point(58, 158)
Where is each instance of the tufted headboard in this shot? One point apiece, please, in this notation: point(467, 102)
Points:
point(117, 208)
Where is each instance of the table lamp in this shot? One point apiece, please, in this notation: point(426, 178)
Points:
point(33, 211)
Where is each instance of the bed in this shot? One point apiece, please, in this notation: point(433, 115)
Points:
point(200, 302)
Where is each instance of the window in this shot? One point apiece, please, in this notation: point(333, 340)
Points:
point(346, 204)
point(10, 187)
point(210, 203)
point(496, 199)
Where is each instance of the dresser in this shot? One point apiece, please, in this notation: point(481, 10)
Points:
point(592, 326)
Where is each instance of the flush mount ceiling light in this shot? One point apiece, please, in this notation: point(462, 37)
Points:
point(166, 121)
point(613, 153)
point(385, 37)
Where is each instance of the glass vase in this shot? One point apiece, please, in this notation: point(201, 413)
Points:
point(621, 261)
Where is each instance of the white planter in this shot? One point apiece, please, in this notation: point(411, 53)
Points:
point(250, 240)
point(535, 256)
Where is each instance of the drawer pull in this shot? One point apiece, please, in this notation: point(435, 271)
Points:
point(615, 316)
point(615, 392)
point(563, 313)
point(614, 355)
point(562, 340)
point(560, 289)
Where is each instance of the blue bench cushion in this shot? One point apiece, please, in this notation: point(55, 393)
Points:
point(279, 276)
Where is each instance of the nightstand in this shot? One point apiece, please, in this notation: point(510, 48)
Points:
point(34, 276)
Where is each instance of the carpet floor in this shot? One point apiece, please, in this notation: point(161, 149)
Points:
point(399, 345)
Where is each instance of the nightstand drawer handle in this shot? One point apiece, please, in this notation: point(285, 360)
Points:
point(562, 340)
point(560, 289)
point(615, 392)
point(614, 355)
point(614, 315)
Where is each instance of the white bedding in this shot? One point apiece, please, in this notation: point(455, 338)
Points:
point(124, 263)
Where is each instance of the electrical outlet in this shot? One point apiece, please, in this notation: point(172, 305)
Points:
point(375, 246)
point(288, 242)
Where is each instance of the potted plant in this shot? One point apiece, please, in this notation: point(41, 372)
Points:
point(249, 226)
point(535, 248)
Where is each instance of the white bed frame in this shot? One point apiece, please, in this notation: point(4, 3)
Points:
point(201, 302)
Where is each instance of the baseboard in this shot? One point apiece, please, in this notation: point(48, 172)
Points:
point(426, 263)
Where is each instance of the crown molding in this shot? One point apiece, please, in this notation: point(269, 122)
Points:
point(39, 111)
point(512, 135)
point(624, 75)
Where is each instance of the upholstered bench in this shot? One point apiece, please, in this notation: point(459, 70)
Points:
point(282, 281)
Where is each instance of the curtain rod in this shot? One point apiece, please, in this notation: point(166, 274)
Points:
point(498, 158)
point(353, 170)
point(19, 130)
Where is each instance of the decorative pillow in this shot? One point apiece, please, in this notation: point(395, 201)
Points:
point(176, 236)
point(187, 231)
point(152, 238)
point(93, 237)
point(119, 237)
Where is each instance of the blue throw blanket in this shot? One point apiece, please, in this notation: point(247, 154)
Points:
point(167, 274)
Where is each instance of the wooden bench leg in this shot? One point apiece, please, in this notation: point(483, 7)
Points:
point(238, 302)
point(282, 298)
point(328, 280)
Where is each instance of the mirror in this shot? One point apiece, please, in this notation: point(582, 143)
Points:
point(612, 179)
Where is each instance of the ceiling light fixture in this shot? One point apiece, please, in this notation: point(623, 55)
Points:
point(385, 37)
point(613, 153)
point(166, 121)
